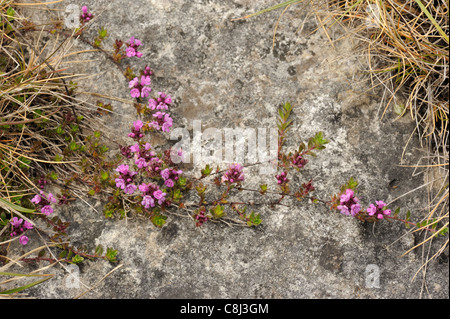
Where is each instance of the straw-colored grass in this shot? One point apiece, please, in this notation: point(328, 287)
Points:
point(45, 130)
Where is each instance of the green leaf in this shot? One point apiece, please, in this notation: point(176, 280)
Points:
point(63, 254)
point(10, 14)
point(102, 33)
point(99, 250)
point(263, 188)
point(218, 212)
point(77, 259)
point(111, 254)
point(104, 175)
point(206, 171)
point(158, 220)
point(408, 216)
point(396, 212)
point(24, 162)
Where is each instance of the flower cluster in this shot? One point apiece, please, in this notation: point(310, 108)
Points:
point(125, 181)
point(44, 202)
point(140, 88)
point(234, 174)
point(349, 204)
point(161, 103)
point(85, 15)
point(132, 46)
point(170, 176)
point(42, 182)
point(18, 229)
point(298, 161)
point(282, 178)
point(162, 121)
point(136, 130)
point(201, 217)
point(147, 71)
point(151, 194)
point(142, 154)
point(379, 211)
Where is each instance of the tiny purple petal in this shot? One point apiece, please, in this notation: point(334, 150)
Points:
point(23, 240)
point(130, 52)
point(47, 210)
point(27, 225)
point(135, 93)
point(120, 183)
point(148, 201)
point(169, 183)
point(130, 188)
point(36, 199)
point(123, 169)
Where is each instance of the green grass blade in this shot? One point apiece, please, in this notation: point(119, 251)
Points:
point(21, 275)
point(428, 14)
point(11, 291)
point(16, 207)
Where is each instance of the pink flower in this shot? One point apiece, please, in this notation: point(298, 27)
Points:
point(135, 148)
point(133, 83)
point(349, 204)
point(137, 125)
point(16, 222)
point(123, 169)
point(130, 188)
point(23, 240)
point(145, 91)
point(140, 88)
point(234, 174)
point(282, 178)
point(148, 201)
point(169, 183)
point(120, 183)
point(165, 173)
point(135, 93)
point(132, 46)
point(51, 198)
point(152, 104)
point(160, 196)
point(143, 188)
point(47, 210)
point(145, 80)
point(141, 162)
point(378, 210)
point(36, 199)
point(347, 196)
point(85, 16)
point(27, 225)
point(163, 121)
point(344, 210)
